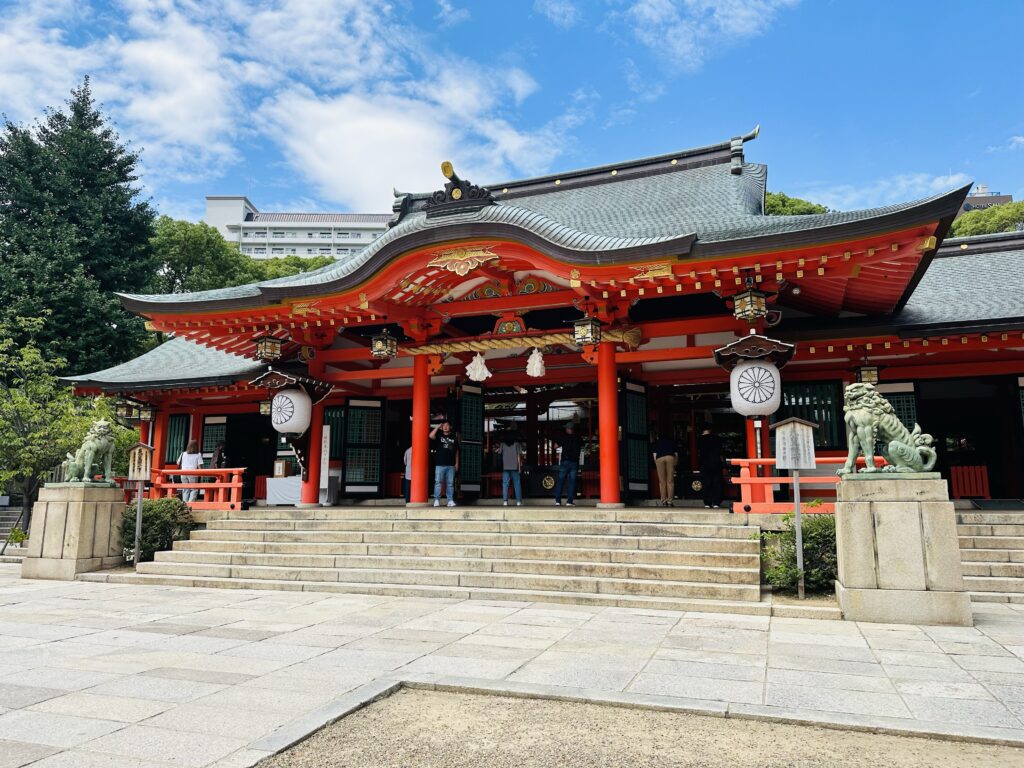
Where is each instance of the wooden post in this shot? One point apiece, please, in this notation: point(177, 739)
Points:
point(420, 464)
point(310, 495)
point(608, 422)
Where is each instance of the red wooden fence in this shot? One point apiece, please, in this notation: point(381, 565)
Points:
point(223, 490)
point(756, 485)
point(969, 482)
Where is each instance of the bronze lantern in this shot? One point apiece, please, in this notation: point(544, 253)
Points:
point(268, 348)
point(383, 346)
point(586, 331)
point(867, 374)
point(750, 305)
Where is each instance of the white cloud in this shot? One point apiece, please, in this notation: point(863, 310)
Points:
point(38, 66)
point(1017, 142)
point(561, 13)
point(448, 15)
point(687, 31)
point(885, 191)
point(335, 84)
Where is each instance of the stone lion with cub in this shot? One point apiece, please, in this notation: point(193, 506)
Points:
point(97, 449)
point(870, 421)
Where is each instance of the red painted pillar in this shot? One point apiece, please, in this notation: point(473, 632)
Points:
point(608, 421)
point(420, 429)
point(160, 425)
point(311, 485)
point(144, 432)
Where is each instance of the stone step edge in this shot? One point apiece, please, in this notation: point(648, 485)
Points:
point(726, 569)
point(996, 597)
point(710, 605)
point(671, 539)
point(398, 571)
point(702, 553)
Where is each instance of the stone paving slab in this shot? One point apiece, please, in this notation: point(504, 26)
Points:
point(138, 676)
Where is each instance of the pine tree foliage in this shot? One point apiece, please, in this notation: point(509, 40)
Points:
point(73, 231)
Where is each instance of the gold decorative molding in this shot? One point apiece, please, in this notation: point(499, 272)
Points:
point(462, 261)
point(306, 308)
point(651, 271)
point(574, 279)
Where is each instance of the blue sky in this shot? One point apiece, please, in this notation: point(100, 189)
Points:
point(328, 104)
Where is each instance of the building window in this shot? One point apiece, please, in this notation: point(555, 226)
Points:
point(261, 235)
point(311, 250)
point(278, 234)
point(325, 235)
point(277, 250)
point(343, 234)
point(290, 250)
point(325, 250)
point(356, 235)
point(820, 402)
point(342, 251)
point(247, 234)
point(259, 251)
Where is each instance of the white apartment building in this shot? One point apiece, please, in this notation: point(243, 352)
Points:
point(265, 235)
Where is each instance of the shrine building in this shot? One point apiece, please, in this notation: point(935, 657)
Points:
point(625, 278)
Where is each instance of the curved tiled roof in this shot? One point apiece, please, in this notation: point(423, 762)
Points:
point(707, 199)
point(175, 363)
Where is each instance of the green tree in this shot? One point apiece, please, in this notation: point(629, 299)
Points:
point(38, 423)
point(1008, 217)
point(286, 266)
point(195, 257)
point(73, 230)
point(779, 204)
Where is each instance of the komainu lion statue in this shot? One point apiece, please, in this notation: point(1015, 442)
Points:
point(97, 449)
point(870, 421)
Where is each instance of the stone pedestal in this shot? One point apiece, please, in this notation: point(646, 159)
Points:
point(899, 555)
point(76, 527)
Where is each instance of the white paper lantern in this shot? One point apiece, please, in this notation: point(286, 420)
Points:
point(290, 411)
point(755, 387)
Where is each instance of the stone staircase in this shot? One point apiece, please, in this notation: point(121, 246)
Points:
point(992, 551)
point(640, 557)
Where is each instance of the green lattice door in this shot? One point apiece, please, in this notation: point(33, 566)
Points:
point(471, 427)
point(363, 457)
point(177, 436)
point(634, 444)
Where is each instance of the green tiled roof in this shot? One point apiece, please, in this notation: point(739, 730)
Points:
point(175, 363)
point(703, 201)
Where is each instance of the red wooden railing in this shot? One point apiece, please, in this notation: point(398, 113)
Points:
point(969, 482)
point(756, 485)
point(224, 492)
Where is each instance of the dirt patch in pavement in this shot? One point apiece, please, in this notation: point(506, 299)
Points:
point(449, 730)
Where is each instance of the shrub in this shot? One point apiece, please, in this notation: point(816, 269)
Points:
point(820, 562)
point(164, 521)
point(17, 536)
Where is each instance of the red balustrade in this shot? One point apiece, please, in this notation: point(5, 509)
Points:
point(969, 481)
point(756, 485)
point(219, 488)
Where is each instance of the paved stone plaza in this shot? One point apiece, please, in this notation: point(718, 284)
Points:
point(114, 675)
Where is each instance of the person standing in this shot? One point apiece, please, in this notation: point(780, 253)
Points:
point(407, 475)
point(446, 461)
point(666, 456)
point(511, 466)
point(568, 465)
point(190, 458)
point(709, 450)
point(220, 457)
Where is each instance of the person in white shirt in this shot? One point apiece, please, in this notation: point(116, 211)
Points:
point(407, 477)
point(190, 459)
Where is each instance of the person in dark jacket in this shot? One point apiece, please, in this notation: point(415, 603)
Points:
point(709, 448)
point(568, 465)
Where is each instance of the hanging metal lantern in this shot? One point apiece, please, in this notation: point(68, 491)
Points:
point(750, 305)
point(146, 412)
point(586, 331)
point(867, 374)
point(123, 410)
point(383, 346)
point(268, 348)
point(266, 407)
